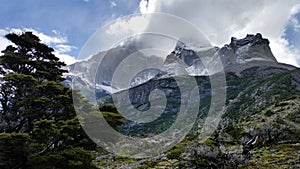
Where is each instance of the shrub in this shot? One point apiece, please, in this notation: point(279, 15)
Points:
point(175, 153)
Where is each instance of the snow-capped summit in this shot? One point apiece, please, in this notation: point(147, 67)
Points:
point(191, 46)
point(188, 58)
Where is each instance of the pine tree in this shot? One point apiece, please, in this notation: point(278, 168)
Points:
point(38, 124)
point(37, 110)
point(112, 116)
point(31, 84)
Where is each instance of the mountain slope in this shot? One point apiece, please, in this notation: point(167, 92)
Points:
point(260, 125)
point(261, 108)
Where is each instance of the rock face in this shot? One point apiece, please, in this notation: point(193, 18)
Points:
point(105, 62)
point(251, 48)
point(245, 53)
point(195, 62)
point(186, 59)
point(239, 55)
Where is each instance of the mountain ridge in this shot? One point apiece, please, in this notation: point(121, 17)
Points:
point(237, 56)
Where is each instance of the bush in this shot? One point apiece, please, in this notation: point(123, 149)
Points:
point(269, 113)
point(175, 153)
point(70, 158)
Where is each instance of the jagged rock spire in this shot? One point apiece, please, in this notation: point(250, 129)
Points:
point(253, 39)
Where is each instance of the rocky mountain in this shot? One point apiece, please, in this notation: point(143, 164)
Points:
point(251, 51)
point(259, 126)
point(240, 54)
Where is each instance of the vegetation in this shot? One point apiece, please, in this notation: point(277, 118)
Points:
point(38, 123)
point(263, 110)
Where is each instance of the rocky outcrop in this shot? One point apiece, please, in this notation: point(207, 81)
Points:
point(250, 39)
point(242, 51)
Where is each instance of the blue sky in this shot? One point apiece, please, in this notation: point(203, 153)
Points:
point(75, 19)
point(292, 33)
point(66, 25)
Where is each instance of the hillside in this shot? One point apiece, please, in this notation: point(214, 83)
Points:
point(259, 106)
point(259, 126)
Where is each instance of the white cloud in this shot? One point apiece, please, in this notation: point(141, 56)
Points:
point(219, 20)
point(284, 52)
point(68, 59)
point(296, 9)
point(147, 6)
point(64, 48)
point(128, 25)
point(113, 34)
point(48, 39)
point(58, 42)
point(112, 3)
point(3, 41)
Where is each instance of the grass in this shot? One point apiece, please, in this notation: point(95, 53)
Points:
point(282, 156)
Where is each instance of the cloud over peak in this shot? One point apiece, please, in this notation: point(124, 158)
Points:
point(219, 20)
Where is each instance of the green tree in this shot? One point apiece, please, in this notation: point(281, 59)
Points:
point(112, 116)
point(37, 117)
point(31, 89)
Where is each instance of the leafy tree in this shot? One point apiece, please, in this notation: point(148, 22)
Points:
point(31, 57)
point(112, 116)
point(37, 118)
point(31, 84)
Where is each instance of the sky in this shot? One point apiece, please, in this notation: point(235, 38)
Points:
point(66, 25)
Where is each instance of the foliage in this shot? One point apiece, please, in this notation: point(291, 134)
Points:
point(15, 148)
point(275, 156)
point(112, 116)
point(36, 110)
point(71, 158)
point(31, 86)
point(175, 153)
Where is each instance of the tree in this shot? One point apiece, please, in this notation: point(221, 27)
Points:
point(31, 57)
point(38, 121)
point(112, 116)
point(31, 76)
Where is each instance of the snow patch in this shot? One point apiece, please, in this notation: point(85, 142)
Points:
point(196, 71)
point(242, 52)
point(243, 61)
point(192, 46)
